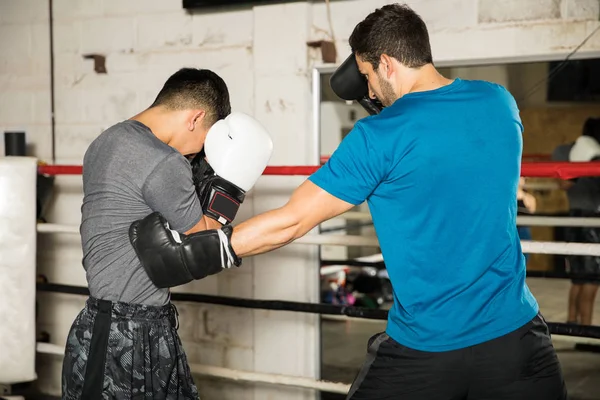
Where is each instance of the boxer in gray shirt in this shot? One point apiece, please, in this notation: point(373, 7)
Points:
point(124, 343)
point(142, 174)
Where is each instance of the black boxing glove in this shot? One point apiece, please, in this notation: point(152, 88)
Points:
point(171, 259)
point(220, 199)
point(349, 84)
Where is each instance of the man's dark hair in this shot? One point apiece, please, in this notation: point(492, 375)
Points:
point(191, 88)
point(591, 127)
point(395, 30)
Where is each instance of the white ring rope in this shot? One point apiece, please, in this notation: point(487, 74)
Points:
point(526, 220)
point(272, 379)
point(562, 248)
point(236, 375)
point(522, 220)
point(56, 228)
point(276, 379)
point(531, 247)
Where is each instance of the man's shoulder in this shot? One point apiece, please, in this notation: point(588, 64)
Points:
point(488, 88)
point(480, 84)
point(130, 137)
point(371, 129)
point(128, 144)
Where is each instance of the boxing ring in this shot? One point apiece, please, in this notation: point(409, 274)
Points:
point(18, 271)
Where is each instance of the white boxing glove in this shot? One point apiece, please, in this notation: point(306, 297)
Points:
point(237, 150)
point(585, 149)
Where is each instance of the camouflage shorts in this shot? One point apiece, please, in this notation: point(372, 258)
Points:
point(125, 351)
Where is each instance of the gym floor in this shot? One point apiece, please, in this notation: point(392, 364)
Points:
point(345, 343)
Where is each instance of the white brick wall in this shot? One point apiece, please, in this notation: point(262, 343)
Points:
point(581, 9)
point(172, 31)
point(518, 10)
point(24, 73)
point(22, 11)
point(68, 10)
point(108, 35)
point(261, 53)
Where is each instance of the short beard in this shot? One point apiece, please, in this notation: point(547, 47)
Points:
point(388, 96)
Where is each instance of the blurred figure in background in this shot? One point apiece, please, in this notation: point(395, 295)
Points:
point(584, 201)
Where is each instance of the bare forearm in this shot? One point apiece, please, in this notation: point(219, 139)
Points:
point(264, 233)
point(307, 208)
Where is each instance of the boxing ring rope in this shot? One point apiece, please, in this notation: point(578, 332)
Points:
point(522, 220)
point(547, 170)
point(237, 375)
point(537, 247)
point(526, 220)
point(57, 228)
point(377, 263)
point(592, 333)
point(365, 216)
point(273, 170)
point(558, 170)
point(528, 246)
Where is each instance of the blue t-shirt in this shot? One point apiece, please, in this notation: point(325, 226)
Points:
point(440, 171)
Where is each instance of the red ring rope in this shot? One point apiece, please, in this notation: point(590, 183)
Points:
point(78, 169)
point(560, 170)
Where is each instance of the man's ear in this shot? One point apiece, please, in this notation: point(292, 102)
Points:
point(197, 119)
point(386, 63)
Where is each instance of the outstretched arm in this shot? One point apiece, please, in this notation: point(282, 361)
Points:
point(308, 207)
point(348, 178)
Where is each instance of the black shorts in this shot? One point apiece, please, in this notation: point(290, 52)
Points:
point(521, 365)
point(583, 269)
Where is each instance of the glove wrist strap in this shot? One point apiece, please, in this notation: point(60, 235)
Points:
point(222, 200)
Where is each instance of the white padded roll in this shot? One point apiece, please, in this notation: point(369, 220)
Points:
point(17, 268)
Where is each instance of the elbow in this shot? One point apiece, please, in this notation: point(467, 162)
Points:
point(288, 235)
point(294, 230)
point(299, 229)
point(296, 226)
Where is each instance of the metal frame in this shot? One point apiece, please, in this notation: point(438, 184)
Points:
point(204, 4)
point(318, 71)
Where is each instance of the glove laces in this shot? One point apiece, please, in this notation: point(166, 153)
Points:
point(226, 257)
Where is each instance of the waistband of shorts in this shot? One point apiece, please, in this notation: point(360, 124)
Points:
point(130, 310)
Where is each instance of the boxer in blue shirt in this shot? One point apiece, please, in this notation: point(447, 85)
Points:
point(439, 167)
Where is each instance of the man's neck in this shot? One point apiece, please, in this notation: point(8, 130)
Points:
point(155, 120)
point(428, 78)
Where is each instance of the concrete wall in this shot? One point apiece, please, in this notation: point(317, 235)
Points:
point(262, 53)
